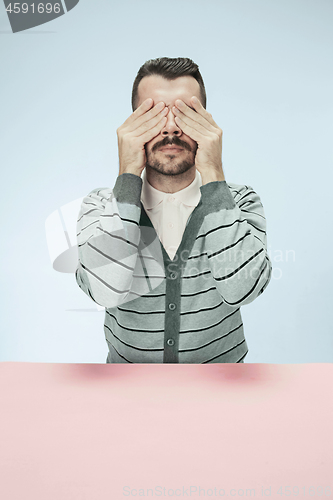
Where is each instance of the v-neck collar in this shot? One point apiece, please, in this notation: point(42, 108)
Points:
point(192, 227)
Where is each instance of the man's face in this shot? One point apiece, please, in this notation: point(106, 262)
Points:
point(171, 152)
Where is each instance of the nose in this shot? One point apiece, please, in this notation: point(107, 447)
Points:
point(171, 127)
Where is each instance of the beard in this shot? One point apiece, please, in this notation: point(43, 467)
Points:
point(171, 165)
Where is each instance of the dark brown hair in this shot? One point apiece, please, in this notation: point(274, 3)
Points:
point(169, 68)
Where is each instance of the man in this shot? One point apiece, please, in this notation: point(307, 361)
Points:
point(173, 251)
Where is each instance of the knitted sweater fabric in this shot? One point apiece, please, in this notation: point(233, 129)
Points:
point(180, 310)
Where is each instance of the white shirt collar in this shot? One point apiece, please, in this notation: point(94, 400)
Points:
point(189, 196)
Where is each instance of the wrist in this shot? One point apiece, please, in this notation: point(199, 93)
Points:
point(212, 176)
point(128, 171)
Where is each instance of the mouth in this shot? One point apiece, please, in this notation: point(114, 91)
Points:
point(170, 149)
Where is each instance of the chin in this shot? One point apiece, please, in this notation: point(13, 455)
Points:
point(170, 168)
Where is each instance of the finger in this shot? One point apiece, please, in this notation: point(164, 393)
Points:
point(188, 130)
point(148, 125)
point(195, 125)
point(202, 111)
point(198, 110)
point(143, 108)
point(153, 132)
point(189, 113)
point(143, 121)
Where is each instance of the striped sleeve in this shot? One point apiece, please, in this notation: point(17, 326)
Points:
point(236, 242)
point(108, 235)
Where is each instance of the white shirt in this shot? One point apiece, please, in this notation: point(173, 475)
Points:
point(169, 212)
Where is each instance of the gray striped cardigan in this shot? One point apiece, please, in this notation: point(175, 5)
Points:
point(185, 310)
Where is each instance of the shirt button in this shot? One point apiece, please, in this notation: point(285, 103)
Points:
point(170, 224)
point(170, 342)
point(171, 198)
point(172, 306)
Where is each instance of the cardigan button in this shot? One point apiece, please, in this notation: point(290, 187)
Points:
point(170, 342)
point(172, 306)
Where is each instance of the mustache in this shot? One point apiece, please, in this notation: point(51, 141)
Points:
point(175, 141)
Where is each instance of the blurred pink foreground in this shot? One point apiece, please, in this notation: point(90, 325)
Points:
point(90, 431)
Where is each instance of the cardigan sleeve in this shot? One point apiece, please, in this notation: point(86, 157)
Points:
point(236, 242)
point(111, 265)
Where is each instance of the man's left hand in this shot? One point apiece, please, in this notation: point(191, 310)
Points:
point(200, 126)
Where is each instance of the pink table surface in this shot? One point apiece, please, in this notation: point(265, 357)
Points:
point(100, 431)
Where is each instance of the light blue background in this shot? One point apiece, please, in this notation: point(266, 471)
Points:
point(66, 87)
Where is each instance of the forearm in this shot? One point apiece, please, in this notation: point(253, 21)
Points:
point(108, 238)
point(212, 176)
point(236, 243)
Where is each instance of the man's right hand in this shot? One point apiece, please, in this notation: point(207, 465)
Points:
point(139, 128)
